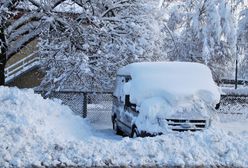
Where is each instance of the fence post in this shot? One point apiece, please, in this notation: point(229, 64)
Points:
point(236, 75)
point(85, 105)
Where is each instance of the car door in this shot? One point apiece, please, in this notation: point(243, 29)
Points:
point(119, 104)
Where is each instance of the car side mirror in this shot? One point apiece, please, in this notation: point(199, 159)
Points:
point(217, 106)
point(127, 101)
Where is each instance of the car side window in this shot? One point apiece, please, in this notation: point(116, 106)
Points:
point(121, 82)
point(119, 88)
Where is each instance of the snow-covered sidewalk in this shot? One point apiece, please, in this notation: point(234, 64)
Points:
point(39, 132)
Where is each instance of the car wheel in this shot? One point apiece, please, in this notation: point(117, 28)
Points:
point(135, 133)
point(116, 128)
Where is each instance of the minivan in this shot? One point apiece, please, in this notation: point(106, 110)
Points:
point(152, 98)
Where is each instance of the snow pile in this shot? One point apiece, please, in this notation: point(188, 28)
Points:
point(210, 148)
point(173, 81)
point(38, 132)
point(28, 122)
point(213, 147)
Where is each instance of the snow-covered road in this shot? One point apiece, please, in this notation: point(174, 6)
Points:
point(105, 132)
point(233, 123)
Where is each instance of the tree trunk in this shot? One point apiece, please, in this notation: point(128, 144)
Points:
point(3, 57)
point(2, 76)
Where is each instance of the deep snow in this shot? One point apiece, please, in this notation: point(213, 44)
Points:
point(34, 131)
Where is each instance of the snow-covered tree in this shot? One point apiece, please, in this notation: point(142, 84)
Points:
point(21, 21)
point(5, 7)
point(207, 33)
point(84, 49)
point(243, 40)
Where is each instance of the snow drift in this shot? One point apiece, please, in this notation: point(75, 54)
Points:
point(38, 132)
point(28, 122)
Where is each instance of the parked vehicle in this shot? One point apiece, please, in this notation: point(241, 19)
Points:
point(157, 97)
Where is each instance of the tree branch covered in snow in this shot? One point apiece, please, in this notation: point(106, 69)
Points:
point(83, 42)
point(86, 53)
point(207, 33)
point(242, 39)
point(21, 21)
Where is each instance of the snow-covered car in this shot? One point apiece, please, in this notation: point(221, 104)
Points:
point(153, 98)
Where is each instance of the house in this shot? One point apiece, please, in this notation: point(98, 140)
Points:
point(23, 68)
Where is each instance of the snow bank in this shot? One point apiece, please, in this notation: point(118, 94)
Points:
point(211, 148)
point(38, 132)
point(214, 147)
point(24, 109)
point(173, 81)
point(27, 122)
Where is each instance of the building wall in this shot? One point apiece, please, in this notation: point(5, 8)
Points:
point(26, 51)
point(30, 79)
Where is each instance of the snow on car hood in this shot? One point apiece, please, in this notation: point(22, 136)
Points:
point(173, 81)
point(160, 108)
point(157, 108)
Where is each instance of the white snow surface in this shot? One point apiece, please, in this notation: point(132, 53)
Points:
point(39, 132)
point(173, 81)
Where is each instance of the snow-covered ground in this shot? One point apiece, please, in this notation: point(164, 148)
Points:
point(39, 132)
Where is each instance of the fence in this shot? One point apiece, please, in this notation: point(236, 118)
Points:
point(95, 106)
point(232, 83)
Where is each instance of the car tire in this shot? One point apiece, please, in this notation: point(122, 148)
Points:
point(116, 128)
point(135, 133)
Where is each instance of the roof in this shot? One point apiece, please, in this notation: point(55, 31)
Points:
point(67, 6)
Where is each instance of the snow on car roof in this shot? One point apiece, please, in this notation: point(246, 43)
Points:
point(170, 80)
